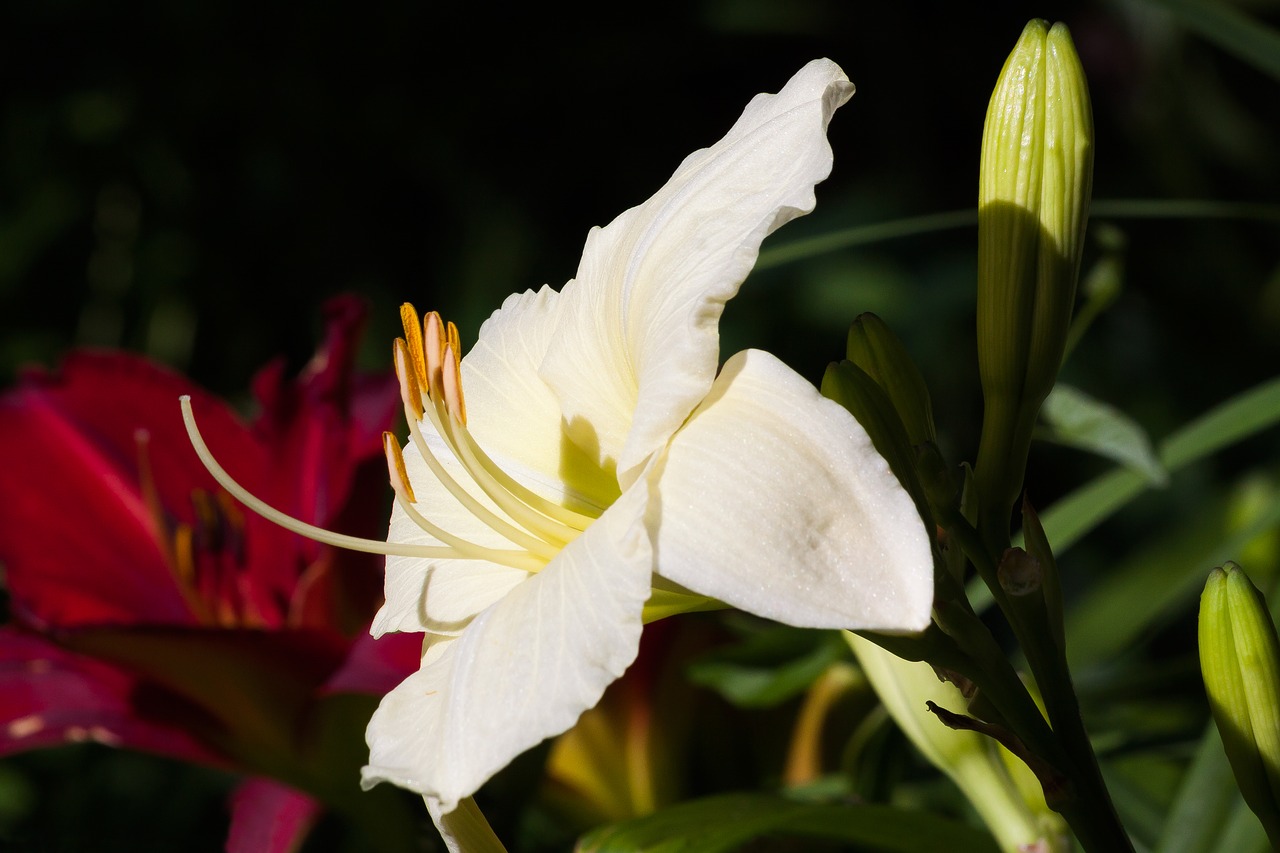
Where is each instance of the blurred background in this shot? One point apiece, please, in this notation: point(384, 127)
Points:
point(191, 179)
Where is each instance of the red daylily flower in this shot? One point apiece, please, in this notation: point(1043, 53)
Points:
point(149, 611)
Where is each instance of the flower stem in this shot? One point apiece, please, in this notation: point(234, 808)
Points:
point(1064, 743)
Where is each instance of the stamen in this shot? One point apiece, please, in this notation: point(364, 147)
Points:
point(573, 522)
point(451, 382)
point(497, 524)
point(521, 513)
point(319, 534)
point(405, 499)
point(184, 564)
point(150, 492)
point(570, 518)
point(433, 329)
point(410, 394)
point(413, 339)
point(451, 337)
point(395, 467)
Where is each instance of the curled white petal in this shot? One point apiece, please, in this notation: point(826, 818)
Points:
point(772, 499)
point(637, 341)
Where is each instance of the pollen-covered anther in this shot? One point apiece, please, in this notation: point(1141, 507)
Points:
point(435, 338)
point(451, 372)
point(413, 342)
point(410, 381)
point(395, 467)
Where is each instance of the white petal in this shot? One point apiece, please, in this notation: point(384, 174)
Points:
point(772, 499)
point(522, 670)
point(514, 415)
point(440, 595)
point(637, 343)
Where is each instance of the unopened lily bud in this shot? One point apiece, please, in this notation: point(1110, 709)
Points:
point(1034, 186)
point(853, 388)
point(877, 350)
point(1240, 662)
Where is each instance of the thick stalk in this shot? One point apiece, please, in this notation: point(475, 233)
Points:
point(1085, 803)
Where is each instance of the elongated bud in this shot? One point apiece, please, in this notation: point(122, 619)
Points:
point(877, 350)
point(853, 388)
point(1240, 662)
point(1036, 175)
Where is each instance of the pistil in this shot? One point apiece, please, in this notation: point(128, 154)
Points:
point(430, 375)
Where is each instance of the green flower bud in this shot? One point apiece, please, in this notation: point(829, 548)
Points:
point(1034, 186)
point(1240, 661)
point(877, 350)
point(851, 387)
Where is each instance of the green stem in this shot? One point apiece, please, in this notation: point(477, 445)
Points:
point(1086, 804)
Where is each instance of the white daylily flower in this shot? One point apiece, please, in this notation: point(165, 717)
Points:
point(603, 399)
point(597, 456)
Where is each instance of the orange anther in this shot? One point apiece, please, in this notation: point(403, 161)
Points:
point(433, 329)
point(413, 340)
point(395, 467)
point(452, 386)
point(410, 393)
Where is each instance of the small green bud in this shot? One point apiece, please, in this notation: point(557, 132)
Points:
point(1035, 180)
point(1240, 662)
point(877, 350)
point(851, 387)
point(1037, 543)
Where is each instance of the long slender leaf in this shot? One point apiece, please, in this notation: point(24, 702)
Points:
point(1077, 420)
point(1231, 30)
point(1236, 419)
point(1160, 580)
point(876, 232)
point(1205, 808)
point(1120, 208)
point(725, 823)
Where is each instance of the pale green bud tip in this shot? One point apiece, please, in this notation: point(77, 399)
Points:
point(1240, 661)
point(1035, 180)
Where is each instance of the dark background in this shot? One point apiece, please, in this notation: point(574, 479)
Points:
point(192, 179)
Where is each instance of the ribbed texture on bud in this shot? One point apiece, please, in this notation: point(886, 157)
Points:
point(1240, 662)
point(1034, 187)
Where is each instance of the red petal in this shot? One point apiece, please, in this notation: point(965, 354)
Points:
point(76, 535)
point(321, 427)
point(49, 696)
point(375, 666)
point(267, 817)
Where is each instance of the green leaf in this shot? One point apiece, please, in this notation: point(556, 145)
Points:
point(950, 220)
point(1165, 578)
point(1078, 420)
point(768, 667)
point(725, 823)
point(1236, 419)
point(1207, 805)
point(1230, 29)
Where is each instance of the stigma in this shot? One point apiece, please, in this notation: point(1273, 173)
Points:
point(533, 529)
